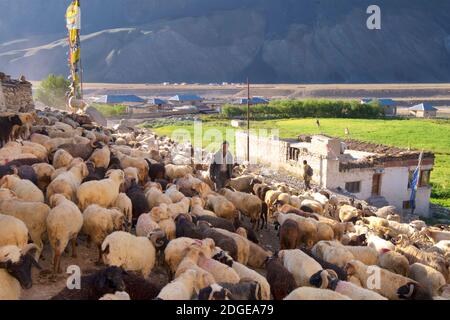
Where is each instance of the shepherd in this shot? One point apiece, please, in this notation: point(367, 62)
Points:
point(221, 167)
point(307, 174)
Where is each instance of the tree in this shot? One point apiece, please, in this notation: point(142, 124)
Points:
point(52, 91)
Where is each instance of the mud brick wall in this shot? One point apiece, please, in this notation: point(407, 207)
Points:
point(15, 95)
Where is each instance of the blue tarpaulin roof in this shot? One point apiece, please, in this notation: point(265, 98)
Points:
point(382, 101)
point(185, 98)
point(254, 100)
point(156, 101)
point(120, 98)
point(423, 107)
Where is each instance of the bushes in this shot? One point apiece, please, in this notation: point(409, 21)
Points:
point(306, 109)
point(52, 91)
point(108, 110)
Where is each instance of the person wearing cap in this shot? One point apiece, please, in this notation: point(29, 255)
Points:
point(221, 167)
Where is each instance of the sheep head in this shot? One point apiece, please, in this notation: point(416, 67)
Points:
point(110, 280)
point(18, 263)
point(158, 238)
point(413, 291)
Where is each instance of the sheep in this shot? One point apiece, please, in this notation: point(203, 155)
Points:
point(33, 214)
point(323, 280)
point(44, 171)
point(436, 235)
point(223, 241)
point(132, 253)
point(332, 252)
point(99, 222)
point(61, 159)
point(177, 171)
point(156, 171)
point(140, 288)
point(313, 205)
point(243, 183)
point(94, 286)
point(281, 281)
point(7, 123)
point(220, 271)
point(289, 235)
point(243, 245)
point(384, 212)
point(430, 259)
point(307, 228)
point(103, 192)
point(197, 210)
point(246, 273)
point(186, 228)
point(245, 290)
point(15, 270)
point(140, 205)
point(68, 183)
point(13, 231)
point(161, 215)
point(80, 150)
point(379, 244)
point(139, 163)
point(308, 293)
point(221, 206)
point(64, 222)
point(257, 255)
point(300, 265)
point(181, 207)
point(155, 197)
point(340, 272)
point(366, 255)
point(145, 225)
point(24, 189)
point(101, 157)
point(389, 283)
point(348, 213)
point(131, 175)
point(394, 262)
point(428, 277)
point(190, 262)
point(174, 194)
point(182, 288)
point(119, 295)
point(177, 249)
point(287, 208)
point(124, 204)
point(248, 204)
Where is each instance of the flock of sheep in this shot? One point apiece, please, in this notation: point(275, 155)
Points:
point(142, 203)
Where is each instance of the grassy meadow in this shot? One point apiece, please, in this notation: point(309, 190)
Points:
point(432, 135)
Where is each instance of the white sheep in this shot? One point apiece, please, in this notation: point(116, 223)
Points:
point(174, 194)
point(182, 288)
point(394, 262)
point(13, 231)
point(124, 204)
point(61, 159)
point(101, 157)
point(333, 252)
point(24, 189)
point(64, 222)
point(300, 265)
point(33, 214)
point(178, 248)
point(246, 273)
point(177, 171)
point(428, 277)
point(379, 244)
point(99, 222)
point(243, 245)
point(308, 293)
point(103, 192)
point(67, 182)
point(119, 295)
point(122, 249)
point(366, 255)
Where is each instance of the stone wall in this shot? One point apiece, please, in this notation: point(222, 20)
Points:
point(15, 95)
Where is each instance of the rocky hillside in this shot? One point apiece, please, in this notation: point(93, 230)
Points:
point(228, 40)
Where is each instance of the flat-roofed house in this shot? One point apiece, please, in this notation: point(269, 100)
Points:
point(186, 99)
point(389, 106)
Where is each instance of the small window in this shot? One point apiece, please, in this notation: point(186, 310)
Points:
point(424, 180)
point(353, 187)
point(407, 204)
point(293, 153)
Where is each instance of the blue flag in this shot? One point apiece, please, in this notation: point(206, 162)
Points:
point(415, 183)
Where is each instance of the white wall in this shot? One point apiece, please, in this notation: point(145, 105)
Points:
point(2, 99)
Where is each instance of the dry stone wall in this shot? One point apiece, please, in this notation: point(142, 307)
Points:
point(15, 95)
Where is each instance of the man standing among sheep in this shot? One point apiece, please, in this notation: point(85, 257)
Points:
point(307, 174)
point(221, 168)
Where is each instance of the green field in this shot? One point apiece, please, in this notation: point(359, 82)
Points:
point(110, 110)
point(431, 135)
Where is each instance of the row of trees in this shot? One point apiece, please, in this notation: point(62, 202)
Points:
point(306, 109)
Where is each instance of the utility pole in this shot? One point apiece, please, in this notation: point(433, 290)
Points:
point(248, 121)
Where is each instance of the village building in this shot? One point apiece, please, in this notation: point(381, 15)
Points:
point(389, 106)
point(126, 99)
point(180, 100)
point(253, 101)
point(423, 110)
point(379, 174)
point(15, 95)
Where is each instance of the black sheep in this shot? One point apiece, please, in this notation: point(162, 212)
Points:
point(186, 228)
point(24, 162)
point(95, 174)
point(281, 281)
point(224, 242)
point(156, 171)
point(27, 172)
point(218, 222)
point(163, 183)
point(138, 199)
point(7, 124)
point(139, 288)
point(96, 285)
point(251, 234)
point(289, 235)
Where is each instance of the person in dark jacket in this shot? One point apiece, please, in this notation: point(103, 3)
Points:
point(221, 167)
